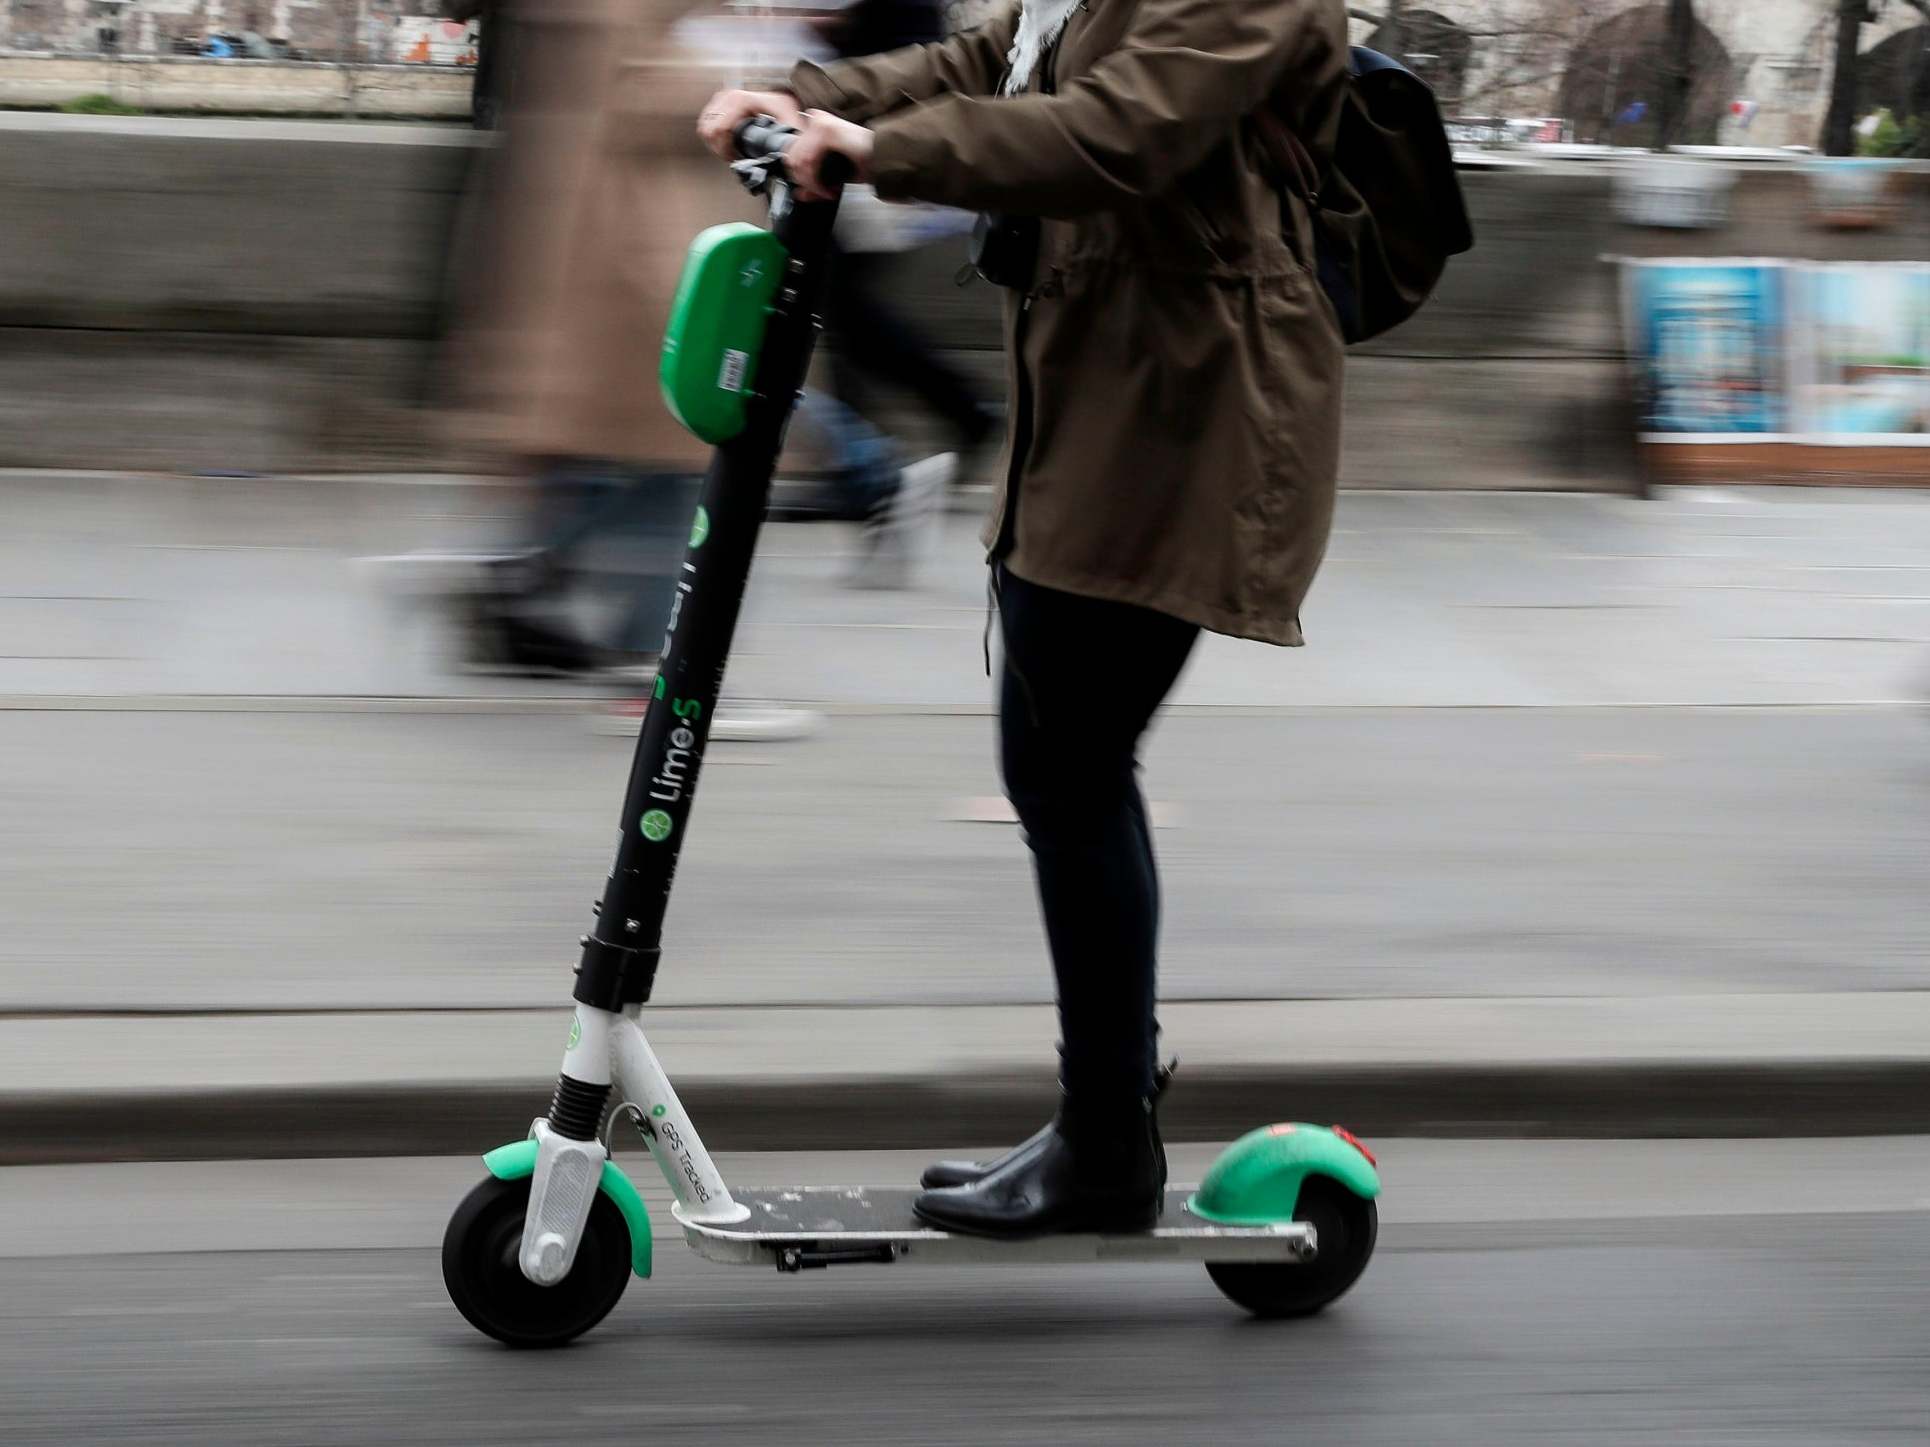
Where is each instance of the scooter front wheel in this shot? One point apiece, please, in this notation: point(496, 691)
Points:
point(479, 1267)
point(1347, 1226)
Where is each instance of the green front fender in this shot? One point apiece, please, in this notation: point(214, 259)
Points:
point(1257, 1179)
point(517, 1160)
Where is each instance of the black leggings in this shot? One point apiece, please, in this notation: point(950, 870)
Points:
point(1082, 680)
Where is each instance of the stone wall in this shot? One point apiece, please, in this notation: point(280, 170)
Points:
point(190, 295)
point(182, 86)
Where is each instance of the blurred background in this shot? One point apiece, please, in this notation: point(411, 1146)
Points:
point(1578, 860)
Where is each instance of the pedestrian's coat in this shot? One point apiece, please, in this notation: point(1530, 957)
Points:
point(602, 184)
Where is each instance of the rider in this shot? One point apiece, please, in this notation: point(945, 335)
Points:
point(1176, 429)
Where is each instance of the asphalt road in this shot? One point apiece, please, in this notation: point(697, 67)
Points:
point(1671, 1323)
point(1792, 1330)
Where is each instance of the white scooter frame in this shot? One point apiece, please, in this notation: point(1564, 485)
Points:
point(792, 1228)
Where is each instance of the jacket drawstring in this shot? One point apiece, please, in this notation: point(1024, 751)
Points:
point(991, 606)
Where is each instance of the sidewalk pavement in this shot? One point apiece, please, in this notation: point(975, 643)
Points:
point(1579, 816)
point(248, 862)
point(414, 1082)
point(148, 588)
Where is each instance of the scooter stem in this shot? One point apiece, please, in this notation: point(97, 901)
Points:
point(622, 950)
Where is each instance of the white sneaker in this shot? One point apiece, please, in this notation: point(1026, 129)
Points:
point(906, 532)
point(762, 722)
point(640, 672)
point(732, 723)
point(619, 719)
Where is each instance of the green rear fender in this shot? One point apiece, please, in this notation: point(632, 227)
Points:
point(517, 1160)
point(1257, 1179)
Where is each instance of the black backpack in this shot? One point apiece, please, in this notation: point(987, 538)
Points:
point(1389, 212)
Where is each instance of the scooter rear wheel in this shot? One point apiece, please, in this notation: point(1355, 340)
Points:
point(479, 1267)
point(1347, 1226)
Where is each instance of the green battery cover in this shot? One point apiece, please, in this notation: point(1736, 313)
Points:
point(716, 330)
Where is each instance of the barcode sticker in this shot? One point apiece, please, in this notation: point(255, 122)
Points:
point(730, 376)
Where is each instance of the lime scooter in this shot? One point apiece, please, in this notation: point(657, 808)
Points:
point(541, 1250)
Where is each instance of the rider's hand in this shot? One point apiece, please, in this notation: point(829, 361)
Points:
point(823, 134)
point(729, 109)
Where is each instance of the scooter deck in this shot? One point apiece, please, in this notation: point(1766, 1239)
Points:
point(794, 1228)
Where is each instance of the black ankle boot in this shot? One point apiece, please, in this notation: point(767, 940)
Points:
point(1098, 1167)
point(941, 1174)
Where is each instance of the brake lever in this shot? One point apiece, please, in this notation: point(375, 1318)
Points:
point(754, 174)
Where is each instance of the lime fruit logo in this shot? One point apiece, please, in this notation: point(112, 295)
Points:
point(655, 826)
point(699, 527)
point(576, 1034)
point(658, 1109)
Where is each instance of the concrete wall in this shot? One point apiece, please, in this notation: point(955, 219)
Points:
point(238, 87)
point(193, 295)
point(208, 295)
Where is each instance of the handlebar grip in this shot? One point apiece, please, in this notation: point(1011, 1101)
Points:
point(766, 138)
point(762, 138)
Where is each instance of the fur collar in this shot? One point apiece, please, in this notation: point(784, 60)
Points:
point(1039, 25)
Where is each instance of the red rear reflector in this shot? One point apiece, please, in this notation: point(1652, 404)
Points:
point(1354, 1141)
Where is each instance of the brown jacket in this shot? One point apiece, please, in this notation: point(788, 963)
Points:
point(599, 187)
point(1175, 371)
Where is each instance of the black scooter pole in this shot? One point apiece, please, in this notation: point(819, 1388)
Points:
point(621, 952)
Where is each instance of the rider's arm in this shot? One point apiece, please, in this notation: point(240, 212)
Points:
point(1176, 87)
point(968, 63)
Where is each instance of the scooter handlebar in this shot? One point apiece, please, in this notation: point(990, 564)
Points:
point(765, 138)
point(762, 138)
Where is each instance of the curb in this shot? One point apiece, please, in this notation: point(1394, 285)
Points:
point(1622, 1099)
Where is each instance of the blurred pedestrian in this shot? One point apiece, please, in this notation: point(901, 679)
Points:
point(596, 194)
point(872, 343)
point(1175, 438)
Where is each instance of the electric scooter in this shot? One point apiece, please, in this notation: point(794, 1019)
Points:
point(541, 1250)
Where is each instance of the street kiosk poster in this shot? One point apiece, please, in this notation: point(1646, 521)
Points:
point(1862, 354)
point(1707, 342)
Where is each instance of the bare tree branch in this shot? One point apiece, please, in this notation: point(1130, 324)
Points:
point(1393, 30)
point(1505, 86)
